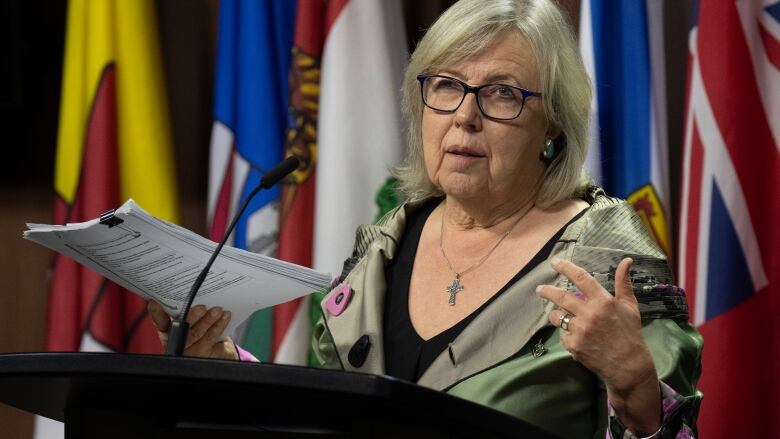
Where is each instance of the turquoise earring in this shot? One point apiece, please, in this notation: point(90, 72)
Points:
point(549, 150)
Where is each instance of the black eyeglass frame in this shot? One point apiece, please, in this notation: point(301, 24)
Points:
point(474, 89)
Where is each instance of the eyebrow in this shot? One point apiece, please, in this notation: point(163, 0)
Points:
point(499, 77)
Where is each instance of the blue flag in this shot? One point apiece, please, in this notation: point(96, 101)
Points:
point(622, 47)
point(250, 108)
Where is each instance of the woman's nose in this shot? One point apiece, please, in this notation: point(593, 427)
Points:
point(468, 115)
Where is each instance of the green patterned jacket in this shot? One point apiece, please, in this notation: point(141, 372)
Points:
point(509, 357)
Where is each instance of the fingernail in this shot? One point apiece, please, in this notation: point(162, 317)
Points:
point(215, 311)
point(226, 315)
point(198, 311)
point(555, 261)
point(539, 289)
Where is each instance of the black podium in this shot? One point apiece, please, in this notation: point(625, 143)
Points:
point(148, 396)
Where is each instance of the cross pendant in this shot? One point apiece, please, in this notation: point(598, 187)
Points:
point(454, 288)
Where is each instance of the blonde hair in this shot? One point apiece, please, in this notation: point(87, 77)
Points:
point(467, 28)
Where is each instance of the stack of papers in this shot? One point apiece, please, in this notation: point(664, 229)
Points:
point(159, 260)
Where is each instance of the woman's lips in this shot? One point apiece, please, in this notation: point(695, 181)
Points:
point(462, 159)
point(464, 152)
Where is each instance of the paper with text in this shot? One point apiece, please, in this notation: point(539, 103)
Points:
point(159, 260)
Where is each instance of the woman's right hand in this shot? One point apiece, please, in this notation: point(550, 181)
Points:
point(203, 338)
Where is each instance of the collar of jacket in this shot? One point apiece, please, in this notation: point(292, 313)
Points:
point(500, 331)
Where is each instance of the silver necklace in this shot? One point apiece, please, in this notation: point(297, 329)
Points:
point(456, 286)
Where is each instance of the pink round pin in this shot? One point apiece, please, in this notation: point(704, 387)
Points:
point(337, 299)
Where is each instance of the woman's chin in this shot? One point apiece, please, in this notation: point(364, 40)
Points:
point(462, 187)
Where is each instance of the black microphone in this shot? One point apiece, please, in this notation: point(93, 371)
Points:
point(177, 335)
point(278, 172)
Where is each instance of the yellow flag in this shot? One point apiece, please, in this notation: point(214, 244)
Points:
point(113, 143)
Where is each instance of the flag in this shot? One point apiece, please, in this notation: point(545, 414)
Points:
point(729, 262)
point(290, 329)
point(360, 130)
point(113, 143)
point(250, 118)
point(622, 47)
point(358, 140)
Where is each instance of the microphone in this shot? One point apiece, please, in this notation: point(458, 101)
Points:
point(278, 172)
point(177, 334)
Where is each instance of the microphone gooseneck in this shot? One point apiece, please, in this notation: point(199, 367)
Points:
point(177, 334)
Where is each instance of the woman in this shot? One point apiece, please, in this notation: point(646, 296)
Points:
point(504, 278)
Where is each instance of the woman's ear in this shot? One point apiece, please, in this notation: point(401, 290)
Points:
point(553, 132)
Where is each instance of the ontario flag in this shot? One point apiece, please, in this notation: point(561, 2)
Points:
point(319, 80)
point(113, 143)
point(729, 261)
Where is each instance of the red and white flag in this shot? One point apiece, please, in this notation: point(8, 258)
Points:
point(113, 143)
point(729, 260)
point(358, 139)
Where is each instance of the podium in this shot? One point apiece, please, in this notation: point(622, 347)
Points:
point(122, 396)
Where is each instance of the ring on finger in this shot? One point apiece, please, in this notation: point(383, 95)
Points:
point(564, 321)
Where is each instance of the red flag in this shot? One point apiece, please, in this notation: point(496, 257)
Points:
point(730, 209)
point(113, 143)
point(313, 21)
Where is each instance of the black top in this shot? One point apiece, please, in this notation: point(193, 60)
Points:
point(407, 355)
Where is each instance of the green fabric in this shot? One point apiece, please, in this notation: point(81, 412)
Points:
point(560, 395)
point(387, 198)
point(552, 391)
point(258, 340)
point(314, 315)
point(492, 362)
point(556, 392)
point(325, 356)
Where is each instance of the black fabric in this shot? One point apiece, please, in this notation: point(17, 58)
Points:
point(407, 356)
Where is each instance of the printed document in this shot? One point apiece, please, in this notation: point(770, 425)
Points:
point(159, 260)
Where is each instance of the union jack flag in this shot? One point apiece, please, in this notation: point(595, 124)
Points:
point(729, 261)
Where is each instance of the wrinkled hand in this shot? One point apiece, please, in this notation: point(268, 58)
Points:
point(203, 338)
point(605, 335)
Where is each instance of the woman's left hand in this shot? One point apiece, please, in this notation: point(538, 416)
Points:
point(605, 334)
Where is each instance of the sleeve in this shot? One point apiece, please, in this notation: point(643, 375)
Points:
point(244, 355)
point(676, 349)
point(322, 352)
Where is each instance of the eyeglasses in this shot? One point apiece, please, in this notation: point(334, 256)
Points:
point(495, 101)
